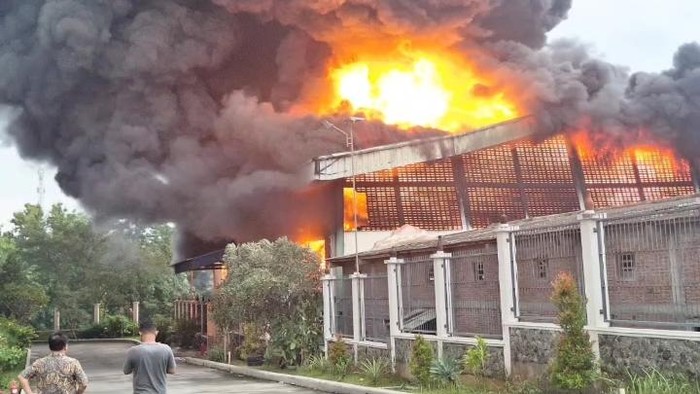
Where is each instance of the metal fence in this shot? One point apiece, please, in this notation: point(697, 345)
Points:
point(376, 308)
point(342, 323)
point(653, 269)
point(193, 310)
point(541, 254)
point(475, 294)
point(417, 295)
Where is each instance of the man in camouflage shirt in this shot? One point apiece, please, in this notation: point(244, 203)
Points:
point(55, 373)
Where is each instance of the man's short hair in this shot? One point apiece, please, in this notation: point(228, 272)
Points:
point(57, 341)
point(147, 326)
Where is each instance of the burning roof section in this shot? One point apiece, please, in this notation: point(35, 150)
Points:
point(498, 174)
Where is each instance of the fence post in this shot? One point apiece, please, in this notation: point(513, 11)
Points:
point(328, 314)
point(393, 265)
point(56, 320)
point(96, 313)
point(357, 311)
point(594, 286)
point(135, 312)
point(507, 280)
point(441, 278)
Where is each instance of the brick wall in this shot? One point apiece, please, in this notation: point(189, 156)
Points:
point(653, 271)
point(540, 257)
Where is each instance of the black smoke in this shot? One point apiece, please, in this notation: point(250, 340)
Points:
point(187, 110)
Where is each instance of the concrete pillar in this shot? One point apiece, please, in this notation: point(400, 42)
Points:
point(507, 280)
point(393, 266)
point(96, 313)
point(357, 310)
point(135, 312)
point(594, 278)
point(56, 320)
point(443, 301)
point(327, 282)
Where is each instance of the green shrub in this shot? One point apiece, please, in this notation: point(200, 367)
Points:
point(446, 372)
point(341, 368)
point(185, 333)
point(166, 329)
point(217, 354)
point(374, 369)
point(5, 380)
point(475, 358)
point(112, 326)
point(338, 352)
point(574, 366)
point(317, 363)
point(11, 358)
point(655, 382)
point(94, 331)
point(421, 361)
point(252, 344)
point(299, 336)
point(15, 334)
point(118, 326)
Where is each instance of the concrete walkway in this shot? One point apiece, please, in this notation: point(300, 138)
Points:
point(102, 362)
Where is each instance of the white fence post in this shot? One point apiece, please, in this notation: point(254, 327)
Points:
point(593, 278)
point(327, 281)
point(356, 279)
point(507, 280)
point(56, 320)
point(135, 312)
point(441, 272)
point(96, 313)
point(393, 265)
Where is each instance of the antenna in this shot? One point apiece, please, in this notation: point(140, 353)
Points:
point(41, 190)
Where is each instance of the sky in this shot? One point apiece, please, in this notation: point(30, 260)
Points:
point(641, 34)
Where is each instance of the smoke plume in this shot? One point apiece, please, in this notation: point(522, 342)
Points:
point(189, 111)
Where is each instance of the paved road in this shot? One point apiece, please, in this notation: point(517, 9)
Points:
point(103, 364)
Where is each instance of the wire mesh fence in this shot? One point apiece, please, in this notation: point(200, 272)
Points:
point(541, 254)
point(653, 269)
point(376, 308)
point(342, 307)
point(417, 294)
point(475, 291)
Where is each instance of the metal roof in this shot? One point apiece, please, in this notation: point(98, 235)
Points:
point(339, 165)
point(208, 261)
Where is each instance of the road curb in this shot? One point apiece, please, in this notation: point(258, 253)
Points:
point(93, 340)
point(112, 340)
point(295, 380)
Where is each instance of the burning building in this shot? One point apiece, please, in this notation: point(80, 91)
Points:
point(208, 113)
point(496, 174)
point(203, 113)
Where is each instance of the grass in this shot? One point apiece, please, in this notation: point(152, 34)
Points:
point(655, 382)
point(649, 382)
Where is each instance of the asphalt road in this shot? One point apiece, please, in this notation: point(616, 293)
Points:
point(103, 364)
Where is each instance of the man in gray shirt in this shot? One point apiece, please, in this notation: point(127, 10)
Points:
point(149, 362)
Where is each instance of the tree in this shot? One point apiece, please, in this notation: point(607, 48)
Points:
point(276, 283)
point(574, 366)
point(65, 262)
point(21, 295)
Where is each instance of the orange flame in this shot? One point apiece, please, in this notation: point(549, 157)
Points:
point(349, 213)
point(653, 161)
point(407, 88)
